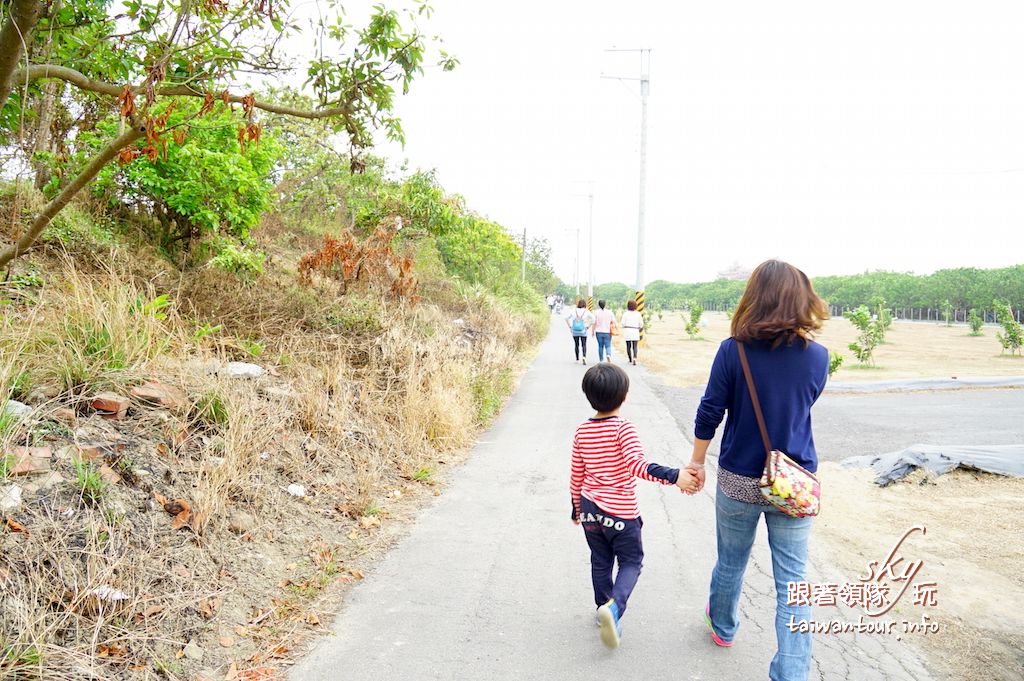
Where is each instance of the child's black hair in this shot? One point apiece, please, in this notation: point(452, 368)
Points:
point(605, 386)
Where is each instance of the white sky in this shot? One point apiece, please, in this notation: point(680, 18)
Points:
point(841, 137)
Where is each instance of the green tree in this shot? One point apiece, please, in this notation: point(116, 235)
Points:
point(870, 333)
point(1012, 336)
point(142, 56)
point(693, 325)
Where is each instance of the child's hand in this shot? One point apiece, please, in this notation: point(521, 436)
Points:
point(687, 481)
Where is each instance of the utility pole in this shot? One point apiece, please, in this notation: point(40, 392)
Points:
point(590, 257)
point(645, 86)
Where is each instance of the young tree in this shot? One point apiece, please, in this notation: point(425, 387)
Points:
point(693, 325)
point(871, 332)
point(976, 321)
point(835, 360)
point(1012, 337)
point(947, 312)
point(151, 54)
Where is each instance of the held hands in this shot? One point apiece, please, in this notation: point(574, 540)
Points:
point(687, 481)
point(698, 472)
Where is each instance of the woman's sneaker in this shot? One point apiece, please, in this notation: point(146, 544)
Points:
point(719, 641)
point(608, 619)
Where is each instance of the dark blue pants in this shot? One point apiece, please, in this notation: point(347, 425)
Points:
point(612, 539)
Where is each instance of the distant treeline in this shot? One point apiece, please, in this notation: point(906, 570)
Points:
point(964, 288)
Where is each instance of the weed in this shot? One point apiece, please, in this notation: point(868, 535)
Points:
point(371, 509)
point(212, 410)
point(204, 330)
point(423, 474)
point(90, 484)
point(6, 465)
point(253, 347)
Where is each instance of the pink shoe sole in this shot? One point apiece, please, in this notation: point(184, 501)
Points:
point(714, 637)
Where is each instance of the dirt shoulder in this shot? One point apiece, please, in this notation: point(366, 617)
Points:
point(972, 550)
point(911, 350)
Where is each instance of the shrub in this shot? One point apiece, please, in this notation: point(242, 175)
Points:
point(976, 321)
point(238, 260)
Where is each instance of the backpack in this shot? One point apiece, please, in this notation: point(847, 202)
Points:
point(579, 327)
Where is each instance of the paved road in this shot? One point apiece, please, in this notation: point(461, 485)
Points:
point(492, 583)
point(851, 424)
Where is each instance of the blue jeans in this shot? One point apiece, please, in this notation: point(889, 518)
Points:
point(736, 526)
point(610, 539)
point(604, 346)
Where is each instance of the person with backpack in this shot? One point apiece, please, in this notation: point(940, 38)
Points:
point(580, 320)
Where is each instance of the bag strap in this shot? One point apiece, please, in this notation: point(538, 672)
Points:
point(757, 407)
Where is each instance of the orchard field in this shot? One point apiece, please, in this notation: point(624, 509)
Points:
point(911, 350)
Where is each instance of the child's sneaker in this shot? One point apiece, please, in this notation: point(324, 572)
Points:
point(719, 641)
point(608, 618)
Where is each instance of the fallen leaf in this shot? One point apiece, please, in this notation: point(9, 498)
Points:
point(311, 618)
point(150, 611)
point(353, 535)
point(279, 651)
point(181, 571)
point(111, 650)
point(109, 475)
point(232, 673)
point(241, 631)
point(358, 574)
point(14, 526)
point(368, 521)
point(226, 641)
point(208, 607)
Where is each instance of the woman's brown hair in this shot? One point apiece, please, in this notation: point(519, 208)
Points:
point(779, 304)
point(631, 305)
point(581, 303)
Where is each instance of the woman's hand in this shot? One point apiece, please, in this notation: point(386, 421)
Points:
point(697, 473)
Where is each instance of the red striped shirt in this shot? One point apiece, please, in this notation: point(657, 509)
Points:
point(607, 458)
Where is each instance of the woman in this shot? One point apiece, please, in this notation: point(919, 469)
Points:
point(580, 320)
point(603, 322)
point(632, 322)
point(774, 320)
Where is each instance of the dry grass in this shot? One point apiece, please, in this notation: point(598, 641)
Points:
point(366, 404)
point(911, 350)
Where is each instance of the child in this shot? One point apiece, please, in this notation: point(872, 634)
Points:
point(606, 460)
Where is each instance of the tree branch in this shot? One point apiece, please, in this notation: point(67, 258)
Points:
point(83, 82)
point(43, 218)
point(15, 34)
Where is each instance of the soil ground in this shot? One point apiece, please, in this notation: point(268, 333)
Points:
point(911, 350)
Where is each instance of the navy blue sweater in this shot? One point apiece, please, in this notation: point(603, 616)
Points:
point(788, 379)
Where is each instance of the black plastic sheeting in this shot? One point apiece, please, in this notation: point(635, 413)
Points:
point(998, 459)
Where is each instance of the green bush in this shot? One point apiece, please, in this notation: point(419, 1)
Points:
point(976, 321)
point(207, 184)
point(693, 325)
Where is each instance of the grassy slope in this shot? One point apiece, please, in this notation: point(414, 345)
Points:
point(367, 403)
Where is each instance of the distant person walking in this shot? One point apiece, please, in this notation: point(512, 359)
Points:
point(580, 320)
point(632, 322)
point(773, 323)
point(604, 320)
